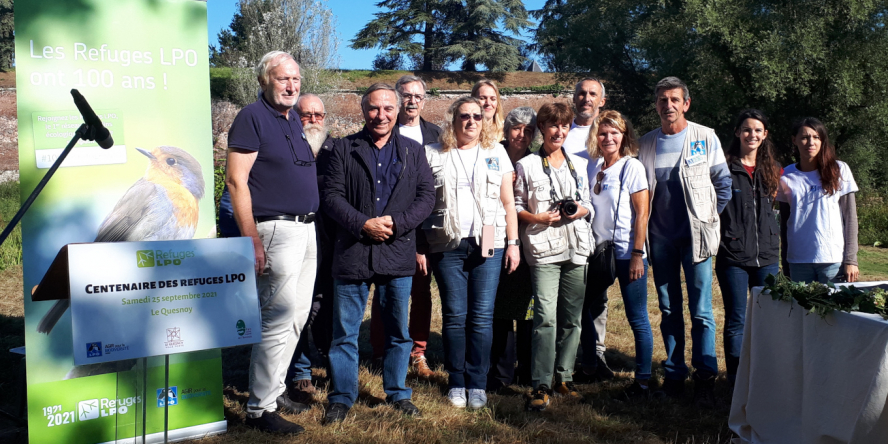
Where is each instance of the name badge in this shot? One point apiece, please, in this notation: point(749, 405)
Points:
point(698, 152)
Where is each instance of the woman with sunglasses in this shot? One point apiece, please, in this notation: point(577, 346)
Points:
point(514, 293)
point(818, 210)
point(552, 200)
point(620, 198)
point(487, 92)
point(471, 229)
point(749, 233)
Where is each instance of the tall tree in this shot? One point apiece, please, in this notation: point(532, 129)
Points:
point(304, 28)
point(415, 28)
point(482, 34)
point(7, 38)
point(791, 59)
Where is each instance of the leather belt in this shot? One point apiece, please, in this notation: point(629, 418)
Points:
point(306, 218)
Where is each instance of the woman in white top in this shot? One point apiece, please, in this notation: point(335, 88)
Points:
point(620, 198)
point(552, 199)
point(471, 229)
point(818, 210)
point(487, 92)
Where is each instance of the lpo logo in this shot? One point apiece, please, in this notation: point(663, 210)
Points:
point(145, 258)
point(88, 409)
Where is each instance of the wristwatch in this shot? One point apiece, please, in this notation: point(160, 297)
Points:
point(515, 242)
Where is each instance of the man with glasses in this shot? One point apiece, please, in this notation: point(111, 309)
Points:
point(274, 192)
point(378, 188)
point(412, 125)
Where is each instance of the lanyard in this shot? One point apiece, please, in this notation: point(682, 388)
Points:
point(573, 172)
point(472, 182)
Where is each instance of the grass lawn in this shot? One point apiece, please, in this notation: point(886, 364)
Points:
point(605, 420)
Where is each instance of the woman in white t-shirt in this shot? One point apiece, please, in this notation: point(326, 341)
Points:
point(620, 198)
point(472, 232)
point(494, 115)
point(818, 210)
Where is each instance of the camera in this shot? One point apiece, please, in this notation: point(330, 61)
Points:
point(567, 207)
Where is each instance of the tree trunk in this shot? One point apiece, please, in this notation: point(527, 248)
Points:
point(428, 36)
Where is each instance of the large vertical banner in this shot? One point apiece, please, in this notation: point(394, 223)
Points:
point(143, 66)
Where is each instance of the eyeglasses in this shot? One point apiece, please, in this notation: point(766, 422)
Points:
point(415, 97)
point(476, 117)
point(599, 177)
point(310, 116)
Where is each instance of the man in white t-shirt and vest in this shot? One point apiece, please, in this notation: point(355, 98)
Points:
point(588, 99)
point(411, 124)
point(690, 185)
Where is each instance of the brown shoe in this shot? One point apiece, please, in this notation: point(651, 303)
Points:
point(568, 390)
point(538, 399)
point(302, 391)
point(420, 367)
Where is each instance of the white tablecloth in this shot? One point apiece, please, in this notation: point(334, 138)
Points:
point(803, 379)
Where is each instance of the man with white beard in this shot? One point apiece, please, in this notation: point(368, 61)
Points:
point(313, 115)
point(411, 124)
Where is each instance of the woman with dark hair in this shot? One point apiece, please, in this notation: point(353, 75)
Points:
point(552, 201)
point(511, 343)
point(749, 247)
point(818, 210)
point(472, 233)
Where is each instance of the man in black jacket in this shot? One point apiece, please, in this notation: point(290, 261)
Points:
point(378, 189)
point(411, 124)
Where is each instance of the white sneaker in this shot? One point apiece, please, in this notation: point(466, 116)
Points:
point(477, 398)
point(457, 397)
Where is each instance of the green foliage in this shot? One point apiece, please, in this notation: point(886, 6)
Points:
point(476, 40)
point(823, 299)
point(218, 186)
point(872, 219)
point(555, 89)
point(789, 59)
point(222, 85)
point(11, 250)
point(7, 38)
point(435, 92)
point(303, 28)
point(406, 21)
point(436, 32)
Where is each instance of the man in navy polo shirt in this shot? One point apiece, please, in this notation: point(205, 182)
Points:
point(273, 183)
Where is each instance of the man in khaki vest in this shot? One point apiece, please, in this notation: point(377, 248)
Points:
point(690, 185)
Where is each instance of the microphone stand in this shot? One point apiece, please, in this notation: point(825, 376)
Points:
point(81, 133)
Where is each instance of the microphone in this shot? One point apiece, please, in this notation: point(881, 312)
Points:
point(101, 134)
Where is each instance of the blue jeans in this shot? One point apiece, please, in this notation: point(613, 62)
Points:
point(822, 273)
point(635, 297)
point(349, 303)
point(668, 258)
point(735, 283)
point(302, 357)
point(467, 283)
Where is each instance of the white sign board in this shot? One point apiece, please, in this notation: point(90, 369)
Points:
point(136, 299)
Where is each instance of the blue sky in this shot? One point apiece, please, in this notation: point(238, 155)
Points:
point(351, 16)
